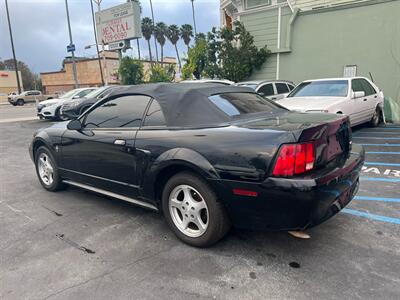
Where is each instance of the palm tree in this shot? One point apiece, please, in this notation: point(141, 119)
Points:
point(186, 34)
point(173, 36)
point(147, 31)
point(159, 32)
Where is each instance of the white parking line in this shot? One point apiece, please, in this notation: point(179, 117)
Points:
point(18, 119)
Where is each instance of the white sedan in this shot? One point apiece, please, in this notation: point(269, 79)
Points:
point(50, 109)
point(357, 97)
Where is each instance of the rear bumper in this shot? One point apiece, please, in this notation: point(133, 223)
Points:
point(290, 204)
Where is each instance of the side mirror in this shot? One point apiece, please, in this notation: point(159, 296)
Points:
point(74, 125)
point(75, 97)
point(359, 94)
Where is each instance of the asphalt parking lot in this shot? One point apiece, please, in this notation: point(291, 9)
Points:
point(75, 244)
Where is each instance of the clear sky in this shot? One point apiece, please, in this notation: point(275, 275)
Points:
point(41, 34)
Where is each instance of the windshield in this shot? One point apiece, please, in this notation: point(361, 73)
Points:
point(235, 104)
point(252, 86)
point(329, 88)
point(69, 94)
point(95, 93)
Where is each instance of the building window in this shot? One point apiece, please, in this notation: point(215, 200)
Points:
point(256, 3)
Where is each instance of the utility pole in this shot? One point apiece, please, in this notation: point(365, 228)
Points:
point(98, 2)
point(97, 44)
point(76, 85)
point(194, 19)
point(155, 41)
point(13, 50)
point(138, 47)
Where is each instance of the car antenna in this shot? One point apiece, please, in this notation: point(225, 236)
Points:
point(370, 75)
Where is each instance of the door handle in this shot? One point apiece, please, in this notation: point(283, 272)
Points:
point(365, 99)
point(120, 142)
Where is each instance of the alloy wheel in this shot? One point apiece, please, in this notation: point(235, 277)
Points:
point(46, 169)
point(188, 211)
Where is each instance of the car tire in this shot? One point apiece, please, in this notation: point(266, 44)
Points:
point(192, 210)
point(376, 118)
point(47, 170)
point(58, 116)
point(20, 102)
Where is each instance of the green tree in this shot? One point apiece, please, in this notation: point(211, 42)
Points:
point(173, 36)
point(130, 71)
point(159, 32)
point(186, 32)
point(237, 56)
point(196, 61)
point(226, 53)
point(160, 73)
point(147, 32)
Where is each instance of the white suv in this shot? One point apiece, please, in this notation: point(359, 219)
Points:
point(357, 97)
point(271, 89)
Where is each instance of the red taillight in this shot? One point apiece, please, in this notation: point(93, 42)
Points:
point(294, 159)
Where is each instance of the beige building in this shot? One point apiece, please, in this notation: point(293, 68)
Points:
point(8, 82)
point(88, 73)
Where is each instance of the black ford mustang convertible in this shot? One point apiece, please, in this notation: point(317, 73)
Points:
point(206, 156)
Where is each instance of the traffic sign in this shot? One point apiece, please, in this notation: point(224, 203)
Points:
point(116, 45)
point(70, 47)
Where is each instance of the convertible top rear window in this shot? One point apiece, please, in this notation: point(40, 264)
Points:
point(235, 104)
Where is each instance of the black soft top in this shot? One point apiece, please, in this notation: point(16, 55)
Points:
point(186, 104)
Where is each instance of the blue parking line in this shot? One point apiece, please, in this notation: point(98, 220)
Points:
point(371, 216)
point(382, 145)
point(376, 138)
point(365, 178)
point(364, 198)
point(373, 163)
point(381, 152)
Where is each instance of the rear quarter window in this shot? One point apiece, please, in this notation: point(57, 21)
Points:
point(236, 104)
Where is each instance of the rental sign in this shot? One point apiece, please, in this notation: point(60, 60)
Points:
point(119, 23)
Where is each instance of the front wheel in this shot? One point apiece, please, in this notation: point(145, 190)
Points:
point(20, 102)
point(376, 118)
point(192, 211)
point(47, 170)
point(59, 116)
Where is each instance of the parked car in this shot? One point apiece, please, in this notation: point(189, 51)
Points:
point(73, 109)
point(209, 80)
point(271, 89)
point(207, 156)
point(50, 109)
point(28, 96)
point(356, 97)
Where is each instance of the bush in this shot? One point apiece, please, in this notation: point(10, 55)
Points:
point(130, 71)
point(159, 73)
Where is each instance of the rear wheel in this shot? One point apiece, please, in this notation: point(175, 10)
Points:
point(192, 211)
point(20, 102)
point(376, 118)
point(47, 170)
